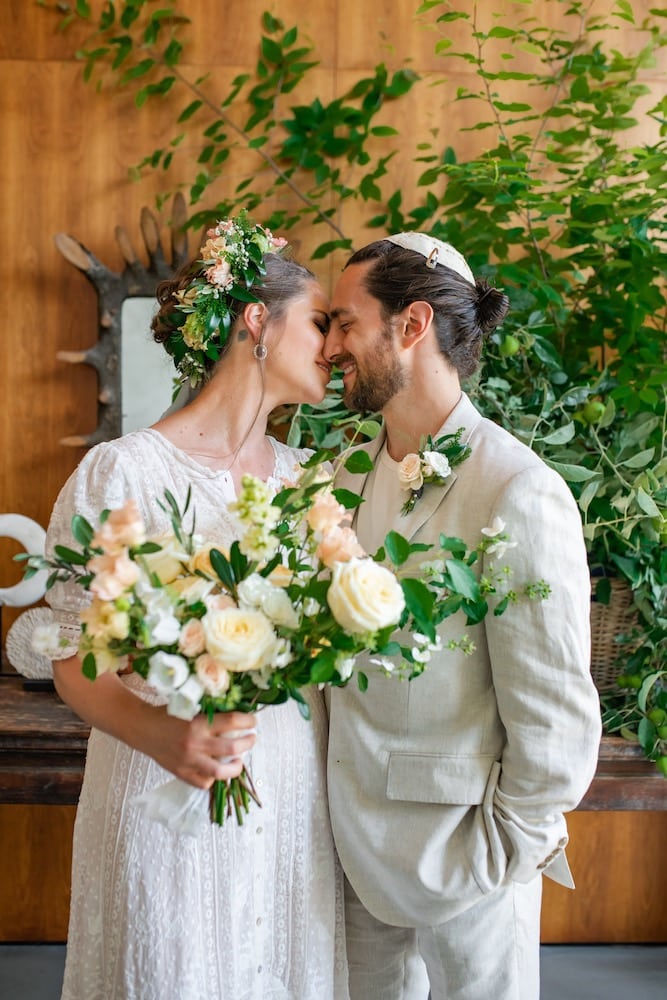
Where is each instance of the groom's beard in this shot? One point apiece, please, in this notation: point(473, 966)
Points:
point(372, 390)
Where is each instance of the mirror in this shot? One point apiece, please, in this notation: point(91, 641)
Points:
point(146, 370)
point(125, 350)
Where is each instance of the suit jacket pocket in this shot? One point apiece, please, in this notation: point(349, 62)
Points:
point(439, 778)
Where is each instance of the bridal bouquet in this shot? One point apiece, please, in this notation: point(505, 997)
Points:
point(292, 603)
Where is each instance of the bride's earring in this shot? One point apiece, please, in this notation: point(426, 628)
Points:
point(260, 352)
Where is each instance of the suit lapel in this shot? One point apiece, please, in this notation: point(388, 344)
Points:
point(433, 495)
point(463, 415)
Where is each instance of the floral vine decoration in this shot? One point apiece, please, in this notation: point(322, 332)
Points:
point(433, 464)
point(231, 262)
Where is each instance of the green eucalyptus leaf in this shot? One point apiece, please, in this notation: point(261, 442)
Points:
point(572, 473)
point(640, 460)
point(561, 435)
point(647, 504)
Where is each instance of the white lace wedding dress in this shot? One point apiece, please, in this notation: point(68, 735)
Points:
point(239, 913)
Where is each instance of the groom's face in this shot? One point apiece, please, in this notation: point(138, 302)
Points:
point(362, 343)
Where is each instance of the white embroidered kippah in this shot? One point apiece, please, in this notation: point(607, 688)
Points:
point(435, 251)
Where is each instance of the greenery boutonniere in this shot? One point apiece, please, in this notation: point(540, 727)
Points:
point(433, 464)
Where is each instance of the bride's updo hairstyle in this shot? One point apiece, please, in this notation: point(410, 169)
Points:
point(415, 267)
point(240, 262)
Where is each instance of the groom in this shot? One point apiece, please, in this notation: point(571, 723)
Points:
point(447, 794)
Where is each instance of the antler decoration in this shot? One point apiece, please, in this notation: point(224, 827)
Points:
point(112, 289)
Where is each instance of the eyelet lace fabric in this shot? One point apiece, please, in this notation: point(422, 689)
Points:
point(239, 913)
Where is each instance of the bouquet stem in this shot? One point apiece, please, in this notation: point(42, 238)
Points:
point(233, 796)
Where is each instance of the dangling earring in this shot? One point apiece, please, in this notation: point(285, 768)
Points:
point(260, 352)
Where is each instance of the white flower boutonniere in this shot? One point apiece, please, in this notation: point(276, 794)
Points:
point(433, 464)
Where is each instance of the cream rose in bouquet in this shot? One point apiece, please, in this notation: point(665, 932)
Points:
point(293, 602)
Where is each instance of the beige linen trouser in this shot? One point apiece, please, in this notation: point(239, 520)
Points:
point(491, 951)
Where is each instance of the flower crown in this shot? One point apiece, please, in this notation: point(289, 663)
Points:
point(230, 263)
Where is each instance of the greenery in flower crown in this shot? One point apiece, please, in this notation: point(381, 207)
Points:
point(230, 263)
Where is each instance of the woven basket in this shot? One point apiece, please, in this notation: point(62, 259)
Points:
point(607, 622)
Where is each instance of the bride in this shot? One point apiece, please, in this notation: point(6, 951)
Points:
point(250, 912)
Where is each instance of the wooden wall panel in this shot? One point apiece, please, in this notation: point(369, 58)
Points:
point(36, 848)
point(618, 863)
point(66, 152)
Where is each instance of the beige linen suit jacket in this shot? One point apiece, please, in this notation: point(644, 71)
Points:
point(444, 788)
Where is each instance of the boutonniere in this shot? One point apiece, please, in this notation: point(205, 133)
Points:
point(433, 464)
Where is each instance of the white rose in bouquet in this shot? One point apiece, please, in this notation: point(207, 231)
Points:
point(240, 639)
point(364, 596)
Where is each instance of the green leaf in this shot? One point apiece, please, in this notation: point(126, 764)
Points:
point(70, 556)
point(271, 51)
point(89, 667)
point(647, 735)
point(647, 684)
point(647, 504)
point(571, 473)
point(639, 460)
point(561, 435)
point(362, 680)
point(238, 561)
point(347, 498)
point(81, 530)
point(358, 462)
point(145, 66)
point(397, 548)
point(420, 602)
point(223, 568)
point(462, 578)
point(190, 110)
point(326, 248)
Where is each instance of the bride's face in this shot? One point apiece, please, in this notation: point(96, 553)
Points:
point(295, 363)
